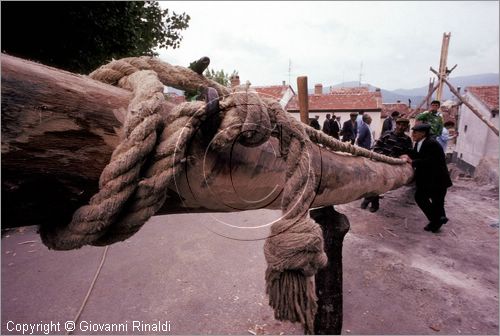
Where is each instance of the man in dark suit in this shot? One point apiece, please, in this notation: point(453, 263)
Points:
point(350, 129)
point(390, 123)
point(314, 122)
point(431, 176)
point(326, 125)
point(335, 127)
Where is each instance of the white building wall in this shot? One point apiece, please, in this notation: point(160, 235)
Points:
point(478, 140)
point(286, 97)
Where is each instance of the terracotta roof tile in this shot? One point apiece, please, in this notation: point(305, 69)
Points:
point(175, 98)
point(387, 109)
point(487, 94)
point(274, 91)
point(345, 99)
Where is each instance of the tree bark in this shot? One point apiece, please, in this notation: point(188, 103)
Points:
point(59, 130)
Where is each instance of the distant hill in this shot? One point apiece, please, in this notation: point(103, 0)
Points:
point(418, 94)
point(387, 96)
point(461, 81)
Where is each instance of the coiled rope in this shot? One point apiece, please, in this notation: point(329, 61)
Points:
point(132, 187)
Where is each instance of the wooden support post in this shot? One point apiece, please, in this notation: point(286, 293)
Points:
point(426, 99)
point(472, 108)
point(335, 225)
point(303, 99)
point(442, 64)
point(430, 90)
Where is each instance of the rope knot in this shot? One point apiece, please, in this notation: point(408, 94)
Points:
point(246, 119)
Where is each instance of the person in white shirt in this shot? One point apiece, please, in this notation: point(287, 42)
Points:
point(445, 135)
point(359, 118)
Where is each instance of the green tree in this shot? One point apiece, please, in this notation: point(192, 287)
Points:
point(220, 76)
point(81, 36)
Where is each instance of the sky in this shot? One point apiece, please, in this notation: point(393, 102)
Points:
point(388, 44)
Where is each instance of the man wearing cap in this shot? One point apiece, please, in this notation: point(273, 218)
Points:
point(350, 129)
point(433, 118)
point(390, 122)
point(431, 176)
point(393, 143)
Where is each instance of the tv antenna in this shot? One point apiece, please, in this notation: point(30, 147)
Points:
point(289, 70)
point(360, 73)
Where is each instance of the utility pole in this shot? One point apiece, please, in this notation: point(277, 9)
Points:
point(442, 64)
point(303, 99)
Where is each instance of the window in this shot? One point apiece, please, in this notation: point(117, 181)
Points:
point(465, 129)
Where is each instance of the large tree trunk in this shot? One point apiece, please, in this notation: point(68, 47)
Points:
point(59, 130)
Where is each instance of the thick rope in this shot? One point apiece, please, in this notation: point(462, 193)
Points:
point(346, 147)
point(133, 185)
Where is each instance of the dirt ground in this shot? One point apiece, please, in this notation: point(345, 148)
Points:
point(416, 282)
point(398, 278)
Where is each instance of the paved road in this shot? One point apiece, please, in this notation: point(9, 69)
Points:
point(175, 270)
point(180, 269)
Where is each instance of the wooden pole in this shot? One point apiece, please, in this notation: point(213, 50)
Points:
point(426, 99)
point(464, 101)
point(303, 99)
point(59, 130)
point(442, 64)
point(430, 90)
point(328, 320)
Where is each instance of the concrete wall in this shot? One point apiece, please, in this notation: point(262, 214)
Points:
point(476, 140)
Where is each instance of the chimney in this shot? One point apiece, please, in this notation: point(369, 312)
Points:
point(284, 83)
point(235, 81)
point(318, 89)
point(399, 101)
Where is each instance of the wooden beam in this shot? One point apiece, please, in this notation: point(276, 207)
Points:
point(426, 99)
point(466, 103)
point(442, 64)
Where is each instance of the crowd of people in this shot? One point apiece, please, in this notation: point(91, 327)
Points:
point(426, 154)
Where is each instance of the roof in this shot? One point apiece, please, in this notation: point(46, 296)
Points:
point(175, 98)
point(273, 91)
point(402, 108)
point(344, 99)
point(488, 94)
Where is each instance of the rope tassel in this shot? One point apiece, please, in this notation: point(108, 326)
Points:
point(293, 297)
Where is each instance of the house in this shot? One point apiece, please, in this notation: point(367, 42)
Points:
point(283, 93)
point(388, 108)
point(175, 98)
point(476, 141)
point(341, 102)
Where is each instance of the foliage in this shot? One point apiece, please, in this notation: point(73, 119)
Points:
point(220, 76)
point(81, 36)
